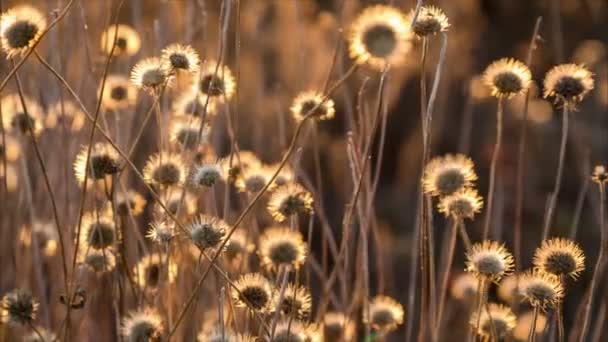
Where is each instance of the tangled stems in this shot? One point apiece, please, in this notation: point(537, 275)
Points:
point(495, 155)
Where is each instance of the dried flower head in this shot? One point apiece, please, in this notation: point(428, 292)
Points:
point(524, 325)
point(174, 201)
point(508, 289)
point(19, 307)
point(338, 328)
point(165, 169)
point(314, 104)
point(208, 231)
point(20, 120)
point(461, 204)
point(153, 269)
point(10, 147)
point(430, 21)
point(151, 74)
point(255, 292)
point(181, 58)
point(130, 203)
point(20, 28)
point(239, 163)
point(64, 114)
point(118, 93)
point(507, 77)
point(600, 175)
point(98, 230)
point(126, 38)
point(103, 162)
point(40, 335)
point(253, 179)
point(448, 174)
point(541, 289)
point(289, 200)
point(296, 301)
point(380, 36)
point(497, 319)
point(98, 261)
point(161, 231)
point(285, 176)
point(560, 257)
point(238, 247)
point(205, 175)
point(142, 326)
point(282, 247)
point(191, 103)
point(289, 330)
point(464, 287)
point(216, 81)
point(489, 260)
point(385, 314)
point(568, 83)
point(45, 234)
point(188, 133)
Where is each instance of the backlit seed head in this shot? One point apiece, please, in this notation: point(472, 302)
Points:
point(191, 103)
point(187, 133)
point(462, 204)
point(291, 330)
point(187, 204)
point(568, 83)
point(151, 74)
point(165, 168)
point(20, 28)
point(181, 58)
point(255, 292)
point(126, 38)
point(238, 247)
point(314, 104)
point(102, 163)
point(143, 326)
point(19, 307)
point(600, 175)
point(153, 269)
point(218, 85)
point(431, 20)
point(448, 174)
point(296, 302)
point(253, 180)
point(98, 261)
point(130, 203)
point(338, 327)
point(385, 314)
point(208, 231)
point(205, 175)
point(380, 36)
point(282, 247)
point(560, 257)
point(239, 164)
point(98, 230)
point(497, 318)
point(118, 93)
point(161, 231)
point(489, 260)
point(541, 289)
point(17, 120)
point(289, 200)
point(64, 114)
point(507, 77)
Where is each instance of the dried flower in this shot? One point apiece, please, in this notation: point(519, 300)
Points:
point(208, 231)
point(205, 175)
point(126, 38)
point(187, 133)
point(541, 289)
point(130, 203)
point(448, 174)
point(150, 74)
point(385, 314)
point(238, 246)
point(568, 83)
point(462, 204)
point(153, 269)
point(19, 307)
point(289, 330)
point(314, 104)
point(181, 58)
point(507, 77)
point(296, 301)
point(282, 247)
point(20, 28)
point(253, 179)
point(216, 81)
point(489, 260)
point(103, 162)
point(338, 328)
point(560, 257)
point(118, 93)
point(161, 231)
point(289, 200)
point(98, 230)
point(140, 326)
point(500, 319)
point(191, 103)
point(95, 260)
point(165, 169)
point(255, 292)
point(430, 21)
point(17, 119)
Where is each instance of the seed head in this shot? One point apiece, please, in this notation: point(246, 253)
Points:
point(497, 318)
point(118, 93)
point(431, 20)
point(282, 247)
point(102, 163)
point(489, 260)
point(142, 326)
point(191, 103)
point(165, 169)
point(151, 74)
point(568, 84)
point(600, 175)
point(95, 260)
point(186, 132)
point(208, 231)
point(255, 292)
point(296, 302)
point(216, 85)
point(289, 330)
point(98, 230)
point(338, 327)
point(385, 314)
point(126, 38)
point(462, 204)
point(205, 175)
point(289, 200)
point(507, 77)
point(66, 115)
point(314, 104)
point(161, 231)
point(238, 247)
point(181, 58)
point(508, 289)
point(129, 203)
point(20, 28)
point(20, 120)
point(252, 179)
point(152, 269)
point(560, 257)
point(464, 287)
point(448, 174)
point(19, 307)
point(541, 289)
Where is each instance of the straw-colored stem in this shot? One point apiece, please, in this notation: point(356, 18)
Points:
point(493, 165)
point(532, 333)
point(446, 275)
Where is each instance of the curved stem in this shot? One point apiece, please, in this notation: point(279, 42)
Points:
point(495, 156)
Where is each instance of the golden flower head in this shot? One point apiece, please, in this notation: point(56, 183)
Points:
point(385, 314)
point(560, 257)
point(205, 175)
point(311, 103)
point(216, 81)
point(118, 93)
point(464, 287)
point(448, 174)
point(489, 260)
point(241, 162)
point(380, 36)
point(600, 175)
point(285, 176)
point(238, 246)
point(10, 147)
point(152, 269)
point(127, 40)
point(568, 83)
point(165, 169)
point(98, 230)
point(186, 132)
point(96, 260)
point(461, 204)
point(20, 28)
point(507, 77)
point(296, 301)
point(430, 21)
point(524, 325)
point(161, 231)
point(338, 328)
point(282, 247)
point(181, 58)
point(64, 114)
point(103, 162)
point(255, 293)
point(145, 325)
point(17, 119)
point(291, 330)
point(208, 231)
point(541, 289)
point(151, 74)
point(253, 179)
point(191, 103)
point(174, 201)
point(18, 307)
point(289, 200)
point(129, 203)
point(497, 318)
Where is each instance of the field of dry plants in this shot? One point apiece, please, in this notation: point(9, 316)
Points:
point(303, 170)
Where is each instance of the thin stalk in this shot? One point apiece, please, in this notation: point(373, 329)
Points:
point(37, 332)
point(559, 315)
point(446, 274)
point(495, 156)
point(480, 296)
point(532, 333)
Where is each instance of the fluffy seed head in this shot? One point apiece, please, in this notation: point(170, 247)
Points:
point(448, 174)
point(65, 114)
point(152, 269)
point(600, 175)
point(296, 301)
point(165, 168)
point(187, 205)
point(507, 77)
point(186, 132)
point(338, 327)
point(312, 103)
point(98, 230)
point(17, 120)
point(150, 74)
point(19, 307)
point(282, 247)
point(239, 164)
point(254, 293)
point(568, 83)
point(127, 40)
point(207, 231)
point(118, 93)
point(20, 28)
point(216, 85)
point(541, 289)
point(431, 20)
point(500, 319)
point(253, 179)
point(489, 260)
point(191, 103)
point(560, 257)
point(462, 204)
point(142, 326)
point(385, 314)
point(238, 247)
point(130, 203)
point(380, 36)
point(289, 200)
point(181, 58)
point(95, 260)
point(205, 175)
point(103, 162)
point(289, 330)
point(161, 231)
